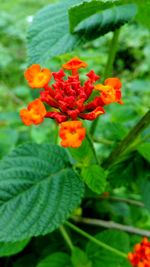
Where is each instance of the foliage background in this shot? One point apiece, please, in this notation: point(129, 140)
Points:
point(132, 65)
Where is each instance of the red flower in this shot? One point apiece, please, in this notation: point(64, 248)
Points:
point(68, 99)
point(141, 255)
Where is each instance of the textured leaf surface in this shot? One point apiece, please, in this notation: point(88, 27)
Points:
point(94, 176)
point(57, 259)
point(49, 34)
point(8, 249)
point(102, 257)
point(38, 190)
point(106, 18)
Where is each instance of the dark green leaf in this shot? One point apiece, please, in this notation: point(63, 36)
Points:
point(95, 178)
point(57, 259)
point(38, 191)
point(79, 258)
point(145, 189)
point(101, 257)
point(8, 249)
point(103, 21)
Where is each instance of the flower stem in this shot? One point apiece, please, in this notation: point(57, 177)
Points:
point(96, 241)
point(108, 68)
point(131, 136)
point(112, 54)
point(66, 237)
point(88, 137)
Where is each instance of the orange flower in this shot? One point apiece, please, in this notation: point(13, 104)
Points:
point(34, 114)
point(72, 133)
point(37, 77)
point(141, 255)
point(74, 64)
point(110, 91)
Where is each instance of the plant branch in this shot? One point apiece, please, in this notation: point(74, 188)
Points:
point(66, 237)
point(112, 225)
point(88, 137)
point(125, 200)
point(96, 241)
point(124, 144)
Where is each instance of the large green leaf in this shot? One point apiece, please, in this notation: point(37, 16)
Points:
point(49, 34)
point(57, 259)
point(95, 178)
point(38, 191)
point(101, 257)
point(8, 249)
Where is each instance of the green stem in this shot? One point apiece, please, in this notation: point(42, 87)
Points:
point(88, 137)
point(108, 68)
point(96, 241)
point(66, 237)
point(124, 144)
point(112, 54)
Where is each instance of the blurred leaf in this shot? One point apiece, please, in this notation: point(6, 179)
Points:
point(27, 260)
point(8, 249)
point(104, 21)
point(145, 189)
point(144, 150)
point(38, 183)
point(57, 259)
point(143, 12)
point(79, 258)
point(8, 140)
point(95, 178)
point(101, 257)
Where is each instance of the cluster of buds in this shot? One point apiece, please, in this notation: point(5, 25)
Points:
point(141, 255)
point(68, 100)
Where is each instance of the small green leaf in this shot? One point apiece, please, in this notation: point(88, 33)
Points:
point(38, 191)
point(101, 257)
point(57, 259)
point(79, 258)
point(95, 178)
point(8, 249)
point(144, 150)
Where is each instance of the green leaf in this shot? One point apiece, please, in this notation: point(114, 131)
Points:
point(95, 178)
point(8, 249)
point(103, 21)
point(79, 258)
point(143, 12)
point(49, 34)
point(38, 191)
point(57, 259)
point(144, 150)
point(102, 257)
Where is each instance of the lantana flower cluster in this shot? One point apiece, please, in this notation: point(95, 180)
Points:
point(141, 255)
point(66, 99)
